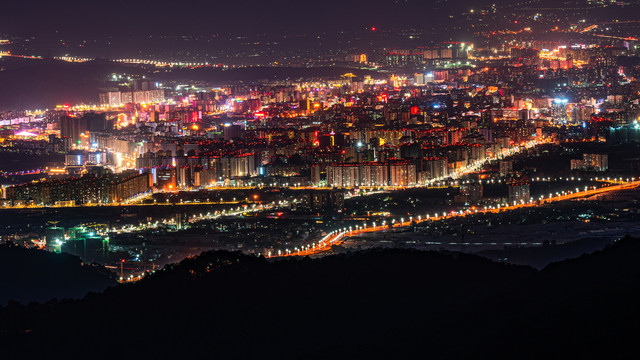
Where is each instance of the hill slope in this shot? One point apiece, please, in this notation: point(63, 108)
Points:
point(376, 304)
point(35, 275)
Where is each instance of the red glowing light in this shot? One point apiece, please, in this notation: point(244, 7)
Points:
point(373, 28)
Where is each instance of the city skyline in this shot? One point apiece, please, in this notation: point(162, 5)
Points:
point(391, 179)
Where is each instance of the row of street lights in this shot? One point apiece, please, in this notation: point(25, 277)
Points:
point(348, 231)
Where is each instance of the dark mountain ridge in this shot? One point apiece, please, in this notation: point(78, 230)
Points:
point(35, 275)
point(375, 304)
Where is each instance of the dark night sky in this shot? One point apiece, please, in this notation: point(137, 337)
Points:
point(118, 17)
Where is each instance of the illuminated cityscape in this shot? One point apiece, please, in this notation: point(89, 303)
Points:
point(374, 161)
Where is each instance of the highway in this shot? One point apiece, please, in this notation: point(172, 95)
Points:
point(338, 236)
point(8, 54)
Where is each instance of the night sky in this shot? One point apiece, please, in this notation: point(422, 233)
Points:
point(120, 17)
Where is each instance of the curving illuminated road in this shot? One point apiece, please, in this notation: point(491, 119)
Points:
point(338, 236)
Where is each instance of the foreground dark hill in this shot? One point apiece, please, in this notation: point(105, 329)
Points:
point(35, 275)
point(377, 304)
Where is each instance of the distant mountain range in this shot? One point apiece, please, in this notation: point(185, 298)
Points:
point(43, 84)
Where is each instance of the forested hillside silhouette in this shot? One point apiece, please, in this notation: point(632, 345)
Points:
point(374, 304)
point(36, 275)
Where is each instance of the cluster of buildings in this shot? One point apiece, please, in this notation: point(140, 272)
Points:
point(140, 92)
point(80, 241)
point(401, 57)
point(204, 169)
point(85, 190)
point(119, 98)
point(422, 121)
point(591, 162)
point(391, 173)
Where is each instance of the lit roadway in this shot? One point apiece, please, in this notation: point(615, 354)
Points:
point(8, 54)
point(338, 236)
